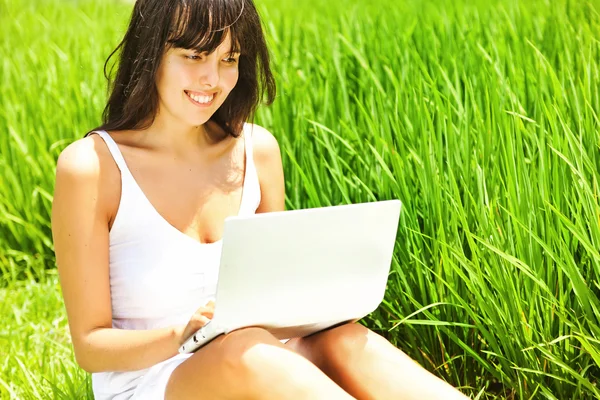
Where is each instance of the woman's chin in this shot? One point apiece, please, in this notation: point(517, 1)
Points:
point(197, 122)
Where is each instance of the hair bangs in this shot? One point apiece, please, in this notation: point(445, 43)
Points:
point(203, 26)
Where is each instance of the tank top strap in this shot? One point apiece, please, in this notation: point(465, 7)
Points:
point(248, 145)
point(251, 184)
point(115, 152)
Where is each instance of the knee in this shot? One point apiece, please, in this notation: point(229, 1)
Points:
point(340, 344)
point(242, 350)
point(257, 362)
point(227, 356)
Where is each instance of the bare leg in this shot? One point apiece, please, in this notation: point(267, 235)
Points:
point(250, 364)
point(369, 367)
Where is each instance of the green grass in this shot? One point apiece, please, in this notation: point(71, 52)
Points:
point(39, 362)
point(482, 117)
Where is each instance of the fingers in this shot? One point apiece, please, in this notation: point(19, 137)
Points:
point(198, 321)
point(205, 311)
point(200, 318)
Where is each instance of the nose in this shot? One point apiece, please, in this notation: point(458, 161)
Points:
point(209, 74)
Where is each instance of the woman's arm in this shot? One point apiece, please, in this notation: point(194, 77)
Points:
point(80, 219)
point(267, 158)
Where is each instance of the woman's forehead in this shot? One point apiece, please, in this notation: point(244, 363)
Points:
point(223, 48)
point(208, 28)
point(225, 45)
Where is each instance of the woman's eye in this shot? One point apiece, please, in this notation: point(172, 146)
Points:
point(193, 56)
point(196, 57)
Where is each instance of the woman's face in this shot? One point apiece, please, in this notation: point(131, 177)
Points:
point(192, 86)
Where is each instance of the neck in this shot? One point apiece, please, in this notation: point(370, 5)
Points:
point(180, 140)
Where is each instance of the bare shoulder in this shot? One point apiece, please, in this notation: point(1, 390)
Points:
point(264, 144)
point(269, 167)
point(81, 159)
point(86, 167)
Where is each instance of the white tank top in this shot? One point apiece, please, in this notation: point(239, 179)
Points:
point(159, 276)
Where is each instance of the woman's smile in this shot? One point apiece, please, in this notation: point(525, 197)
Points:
point(201, 99)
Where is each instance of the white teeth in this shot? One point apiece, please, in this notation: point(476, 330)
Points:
point(201, 99)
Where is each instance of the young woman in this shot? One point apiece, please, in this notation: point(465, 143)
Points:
point(138, 214)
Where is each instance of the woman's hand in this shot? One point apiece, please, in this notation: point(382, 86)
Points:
point(198, 320)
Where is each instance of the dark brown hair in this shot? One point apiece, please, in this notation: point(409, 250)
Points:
point(201, 25)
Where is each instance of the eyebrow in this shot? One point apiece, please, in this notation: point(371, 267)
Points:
point(206, 51)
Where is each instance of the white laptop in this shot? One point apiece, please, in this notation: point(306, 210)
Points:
point(298, 272)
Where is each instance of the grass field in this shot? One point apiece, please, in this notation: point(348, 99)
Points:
point(482, 117)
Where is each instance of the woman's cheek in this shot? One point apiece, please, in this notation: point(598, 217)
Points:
point(187, 75)
point(232, 78)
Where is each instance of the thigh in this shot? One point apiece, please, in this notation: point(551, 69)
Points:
point(215, 371)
